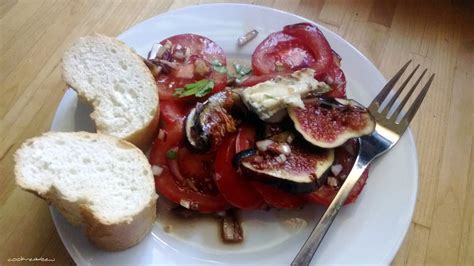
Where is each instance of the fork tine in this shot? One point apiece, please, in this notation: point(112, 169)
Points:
point(386, 89)
point(399, 91)
point(407, 96)
point(416, 104)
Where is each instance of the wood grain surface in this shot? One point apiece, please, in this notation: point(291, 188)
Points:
point(437, 34)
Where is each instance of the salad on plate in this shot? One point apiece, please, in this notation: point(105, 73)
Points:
point(276, 133)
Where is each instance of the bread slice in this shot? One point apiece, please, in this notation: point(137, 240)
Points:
point(115, 81)
point(95, 180)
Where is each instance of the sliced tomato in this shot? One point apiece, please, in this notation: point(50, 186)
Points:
point(277, 198)
point(166, 186)
point(201, 48)
point(235, 188)
point(297, 46)
point(195, 165)
point(254, 79)
point(345, 156)
point(336, 79)
point(281, 52)
point(172, 115)
point(194, 188)
point(173, 111)
point(316, 42)
point(245, 138)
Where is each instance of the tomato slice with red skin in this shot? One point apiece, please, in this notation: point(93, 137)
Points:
point(277, 198)
point(195, 165)
point(172, 114)
point(281, 52)
point(201, 48)
point(235, 188)
point(316, 42)
point(336, 79)
point(297, 46)
point(325, 194)
point(254, 79)
point(245, 138)
point(166, 186)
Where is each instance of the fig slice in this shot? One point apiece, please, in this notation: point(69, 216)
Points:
point(208, 123)
point(329, 122)
point(301, 170)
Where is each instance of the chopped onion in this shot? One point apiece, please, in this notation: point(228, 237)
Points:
point(187, 54)
point(332, 181)
point(185, 203)
point(174, 168)
point(168, 63)
point(281, 158)
point(179, 54)
point(241, 41)
point(163, 49)
point(258, 159)
point(290, 138)
point(191, 184)
point(262, 145)
point(157, 170)
point(350, 149)
point(162, 134)
point(200, 67)
point(155, 50)
point(329, 79)
point(336, 169)
point(295, 224)
point(285, 148)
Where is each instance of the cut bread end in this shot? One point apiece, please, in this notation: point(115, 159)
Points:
point(115, 81)
point(98, 181)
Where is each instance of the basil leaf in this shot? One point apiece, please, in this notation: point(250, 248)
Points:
point(218, 66)
point(207, 88)
point(198, 88)
point(171, 154)
point(242, 70)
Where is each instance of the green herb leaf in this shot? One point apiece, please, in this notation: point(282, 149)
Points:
point(242, 70)
point(218, 66)
point(198, 88)
point(171, 154)
point(205, 89)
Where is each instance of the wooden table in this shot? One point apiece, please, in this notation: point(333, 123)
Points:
point(437, 34)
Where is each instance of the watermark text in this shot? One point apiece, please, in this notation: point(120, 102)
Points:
point(31, 259)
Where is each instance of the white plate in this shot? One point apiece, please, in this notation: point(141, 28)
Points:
point(369, 231)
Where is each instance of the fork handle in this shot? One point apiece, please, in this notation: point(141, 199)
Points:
point(306, 252)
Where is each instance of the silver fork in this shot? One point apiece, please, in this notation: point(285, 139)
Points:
point(388, 130)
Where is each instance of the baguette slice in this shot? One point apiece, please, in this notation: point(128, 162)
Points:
point(115, 81)
point(98, 181)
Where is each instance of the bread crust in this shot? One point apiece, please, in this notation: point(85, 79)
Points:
point(108, 235)
point(119, 236)
point(141, 137)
